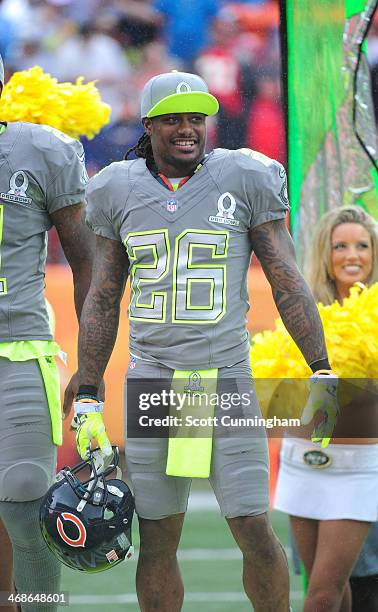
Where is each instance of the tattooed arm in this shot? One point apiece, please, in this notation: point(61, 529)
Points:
point(77, 241)
point(274, 248)
point(100, 316)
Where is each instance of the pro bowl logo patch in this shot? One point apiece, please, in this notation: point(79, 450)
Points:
point(283, 192)
point(18, 185)
point(183, 87)
point(226, 208)
point(78, 530)
point(194, 385)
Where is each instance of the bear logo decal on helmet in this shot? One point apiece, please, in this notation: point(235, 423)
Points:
point(80, 541)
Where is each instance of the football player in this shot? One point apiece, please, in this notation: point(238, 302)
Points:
point(183, 225)
point(42, 182)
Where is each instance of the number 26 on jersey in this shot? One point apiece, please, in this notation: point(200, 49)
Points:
point(198, 287)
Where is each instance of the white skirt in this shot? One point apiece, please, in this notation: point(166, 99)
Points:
point(338, 482)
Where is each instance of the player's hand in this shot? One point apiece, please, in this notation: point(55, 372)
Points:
point(71, 392)
point(323, 397)
point(89, 426)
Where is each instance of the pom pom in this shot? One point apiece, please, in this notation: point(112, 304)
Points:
point(351, 332)
point(37, 97)
point(84, 113)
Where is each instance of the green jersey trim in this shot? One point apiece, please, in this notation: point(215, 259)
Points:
point(23, 350)
point(51, 380)
point(44, 352)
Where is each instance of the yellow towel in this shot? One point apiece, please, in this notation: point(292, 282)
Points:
point(50, 375)
point(190, 446)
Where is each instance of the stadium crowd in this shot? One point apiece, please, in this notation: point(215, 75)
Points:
point(122, 43)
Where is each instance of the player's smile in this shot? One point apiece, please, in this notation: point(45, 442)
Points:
point(185, 145)
point(178, 142)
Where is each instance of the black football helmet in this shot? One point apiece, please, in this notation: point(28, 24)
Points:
point(87, 524)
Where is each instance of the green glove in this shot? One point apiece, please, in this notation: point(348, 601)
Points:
point(89, 425)
point(323, 397)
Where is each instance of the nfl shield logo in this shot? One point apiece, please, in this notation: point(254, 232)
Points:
point(172, 205)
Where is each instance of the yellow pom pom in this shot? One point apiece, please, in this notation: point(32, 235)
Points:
point(351, 332)
point(37, 97)
point(84, 113)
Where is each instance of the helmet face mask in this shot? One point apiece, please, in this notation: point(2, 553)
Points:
point(87, 523)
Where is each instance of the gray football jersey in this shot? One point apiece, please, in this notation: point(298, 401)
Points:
point(189, 252)
point(41, 171)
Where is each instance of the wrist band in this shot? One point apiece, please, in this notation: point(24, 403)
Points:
point(86, 397)
point(320, 364)
point(87, 407)
point(87, 390)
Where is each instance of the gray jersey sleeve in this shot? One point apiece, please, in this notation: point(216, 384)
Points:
point(105, 201)
point(68, 187)
point(64, 174)
point(266, 185)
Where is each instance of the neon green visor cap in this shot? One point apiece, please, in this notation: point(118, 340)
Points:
point(177, 92)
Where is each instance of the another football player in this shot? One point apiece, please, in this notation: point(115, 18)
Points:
point(42, 181)
point(183, 225)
